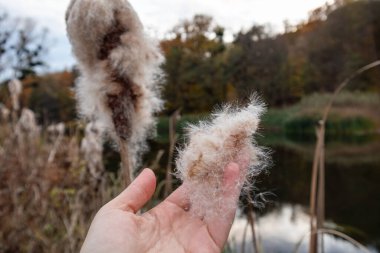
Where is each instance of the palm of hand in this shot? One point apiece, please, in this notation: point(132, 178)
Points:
point(167, 228)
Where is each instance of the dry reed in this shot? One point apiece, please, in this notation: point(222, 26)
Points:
point(317, 191)
point(47, 207)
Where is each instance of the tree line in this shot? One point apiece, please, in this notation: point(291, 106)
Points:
point(313, 56)
point(203, 69)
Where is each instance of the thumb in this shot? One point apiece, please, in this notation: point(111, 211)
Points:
point(137, 194)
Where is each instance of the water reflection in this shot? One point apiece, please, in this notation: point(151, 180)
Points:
point(352, 195)
point(281, 229)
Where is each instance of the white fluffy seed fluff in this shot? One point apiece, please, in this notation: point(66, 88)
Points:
point(226, 138)
point(27, 125)
point(92, 149)
point(119, 67)
point(15, 89)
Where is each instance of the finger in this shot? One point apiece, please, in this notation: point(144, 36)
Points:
point(137, 193)
point(220, 226)
point(180, 198)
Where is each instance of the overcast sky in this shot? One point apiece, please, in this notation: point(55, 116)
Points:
point(159, 16)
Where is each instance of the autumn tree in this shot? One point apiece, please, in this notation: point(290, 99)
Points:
point(194, 65)
point(336, 40)
point(341, 44)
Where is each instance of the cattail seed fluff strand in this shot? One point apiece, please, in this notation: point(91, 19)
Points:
point(226, 138)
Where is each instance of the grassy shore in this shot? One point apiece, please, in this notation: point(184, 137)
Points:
point(353, 113)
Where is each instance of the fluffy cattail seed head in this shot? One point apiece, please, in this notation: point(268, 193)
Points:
point(226, 138)
point(119, 67)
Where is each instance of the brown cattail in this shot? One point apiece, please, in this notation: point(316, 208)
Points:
point(119, 67)
point(211, 147)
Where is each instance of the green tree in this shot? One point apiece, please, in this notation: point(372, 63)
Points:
point(257, 63)
point(194, 65)
point(50, 97)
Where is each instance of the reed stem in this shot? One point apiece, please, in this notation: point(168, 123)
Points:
point(126, 165)
point(317, 191)
point(172, 141)
point(252, 221)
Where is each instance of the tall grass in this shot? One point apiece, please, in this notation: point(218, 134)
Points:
point(353, 113)
point(47, 206)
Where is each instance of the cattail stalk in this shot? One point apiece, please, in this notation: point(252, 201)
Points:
point(119, 66)
point(172, 142)
point(332, 232)
point(126, 162)
point(317, 191)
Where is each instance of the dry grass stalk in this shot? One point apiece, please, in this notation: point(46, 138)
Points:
point(46, 207)
point(57, 130)
point(119, 67)
point(251, 217)
point(244, 237)
point(321, 193)
point(4, 113)
point(172, 142)
point(317, 192)
point(92, 149)
point(156, 162)
point(335, 233)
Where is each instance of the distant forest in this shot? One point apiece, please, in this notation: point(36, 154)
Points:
point(202, 69)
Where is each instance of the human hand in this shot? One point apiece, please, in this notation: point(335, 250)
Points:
point(167, 228)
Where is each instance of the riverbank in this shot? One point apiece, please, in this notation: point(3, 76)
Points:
point(353, 113)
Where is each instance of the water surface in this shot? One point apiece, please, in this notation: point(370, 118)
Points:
point(352, 195)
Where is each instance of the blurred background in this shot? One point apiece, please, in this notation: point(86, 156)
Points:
point(55, 173)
